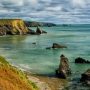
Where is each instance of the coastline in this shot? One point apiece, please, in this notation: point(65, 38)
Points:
point(46, 82)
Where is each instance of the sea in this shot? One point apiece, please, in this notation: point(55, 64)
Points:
point(28, 52)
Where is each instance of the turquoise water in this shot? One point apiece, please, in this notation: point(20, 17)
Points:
point(20, 51)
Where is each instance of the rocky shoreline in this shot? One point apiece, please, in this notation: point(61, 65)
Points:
point(17, 27)
point(46, 82)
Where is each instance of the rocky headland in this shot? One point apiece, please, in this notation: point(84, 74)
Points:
point(41, 24)
point(17, 27)
point(13, 27)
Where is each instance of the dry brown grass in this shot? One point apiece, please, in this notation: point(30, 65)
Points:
point(13, 79)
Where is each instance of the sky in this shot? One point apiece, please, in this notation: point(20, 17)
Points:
point(55, 11)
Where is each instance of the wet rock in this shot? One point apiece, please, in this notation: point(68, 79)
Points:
point(81, 60)
point(38, 31)
point(85, 77)
point(2, 31)
point(48, 48)
point(55, 45)
point(34, 43)
point(43, 31)
point(64, 70)
point(32, 32)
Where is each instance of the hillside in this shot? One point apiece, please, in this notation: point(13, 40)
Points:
point(12, 27)
point(13, 79)
point(35, 24)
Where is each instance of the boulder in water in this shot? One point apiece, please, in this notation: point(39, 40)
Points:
point(64, 70)
point(81, 60)
point(85, 77)
point(55, 45)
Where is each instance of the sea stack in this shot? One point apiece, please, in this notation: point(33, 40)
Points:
point(64, 70)
point(38, 31)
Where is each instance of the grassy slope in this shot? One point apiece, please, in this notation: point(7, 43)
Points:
point(13, 79)
point(17, 24)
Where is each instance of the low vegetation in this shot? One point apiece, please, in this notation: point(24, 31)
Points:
point(13, 79)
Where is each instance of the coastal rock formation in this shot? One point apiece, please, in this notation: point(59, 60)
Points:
point(41, 24)
point(39, 31)
point(13, 27)
point(64, 70)
point(86, 77)
point(81, 60)
point(32, 32)
point(13, 79)
point(55, 45)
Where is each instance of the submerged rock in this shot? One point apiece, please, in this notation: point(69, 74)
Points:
point(64, 70)
point(85, 77)
point(55, 45)
point(81, 60)
point(34, 43)
point(48, 48)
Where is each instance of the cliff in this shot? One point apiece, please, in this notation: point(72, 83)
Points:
point(13, 27)
point(13, 79)
point(35, 24)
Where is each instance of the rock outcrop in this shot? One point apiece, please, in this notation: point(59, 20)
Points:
point(39, 31)
point(55, 45)
point(81, 60)
point(13, 27)
point(64, 70)
point(85, 77)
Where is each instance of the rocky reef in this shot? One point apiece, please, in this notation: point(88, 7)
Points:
point(12, 78)
point(13, 27)
point(85, 77)
point(56, 46)
point(64, 70)
point(81, 60)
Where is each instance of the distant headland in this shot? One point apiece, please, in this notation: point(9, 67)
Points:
point(19, 26)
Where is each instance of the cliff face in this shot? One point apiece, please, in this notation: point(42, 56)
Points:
point(13, 27)
point(13, 79)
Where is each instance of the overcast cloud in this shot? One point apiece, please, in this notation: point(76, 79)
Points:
point(56, 11)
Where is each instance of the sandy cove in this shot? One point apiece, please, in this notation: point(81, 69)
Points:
point(47, 83)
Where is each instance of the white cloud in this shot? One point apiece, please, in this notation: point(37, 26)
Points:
point(79, 3)
point(57, 11)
